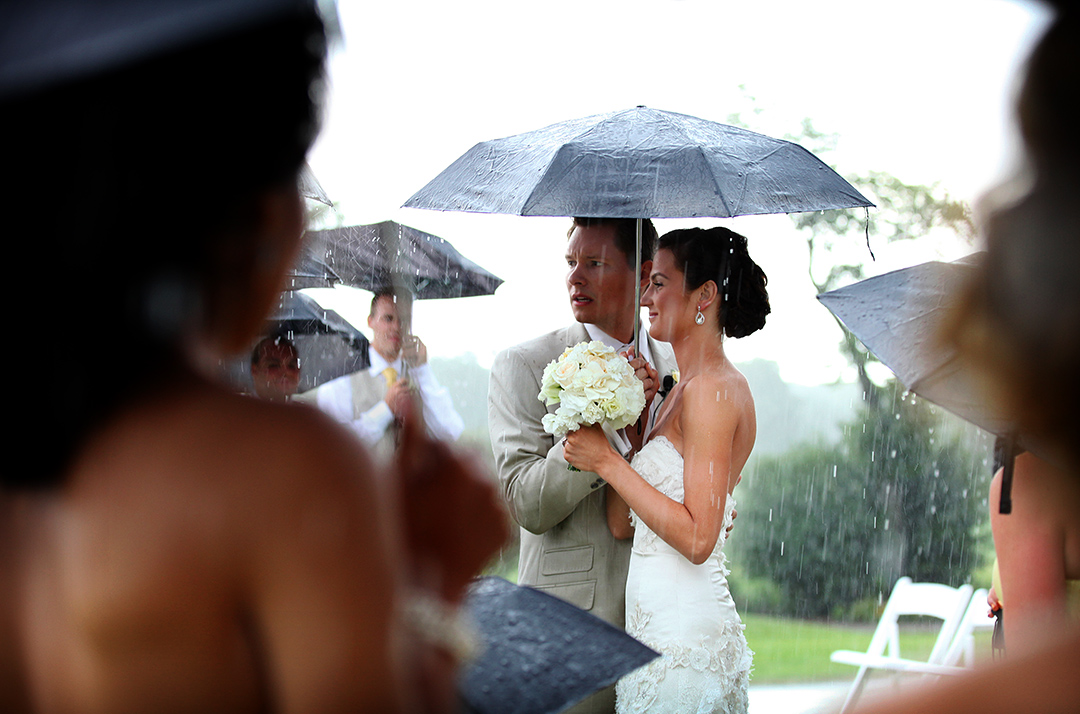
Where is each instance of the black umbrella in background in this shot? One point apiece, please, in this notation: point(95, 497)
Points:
point(388, 254)
point(311, 271)
point(310, 188)
point(328, 345)
point(539, 654)
point(639, 163)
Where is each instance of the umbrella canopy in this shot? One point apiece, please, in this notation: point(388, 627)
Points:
point(638, 163)
point(328, 345)
point(310, 188)
point(899, 315)
point(311, 271)
point(540, 654)
point(381, 255)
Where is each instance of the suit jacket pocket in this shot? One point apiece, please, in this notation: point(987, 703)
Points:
point(567, 560)
point(581, 594)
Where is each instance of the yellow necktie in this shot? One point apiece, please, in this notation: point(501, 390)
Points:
point(390, 375)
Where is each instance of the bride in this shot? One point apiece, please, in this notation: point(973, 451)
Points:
point(675, 497)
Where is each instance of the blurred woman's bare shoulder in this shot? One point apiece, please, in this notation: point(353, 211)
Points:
point(219, 440)
point(216, 511)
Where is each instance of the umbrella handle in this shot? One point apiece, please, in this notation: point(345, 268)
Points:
point(1005, 502)
point(637, 288)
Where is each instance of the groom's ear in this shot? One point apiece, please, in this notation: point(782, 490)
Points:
point(646, 271)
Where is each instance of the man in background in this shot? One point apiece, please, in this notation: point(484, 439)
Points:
point(372, 401)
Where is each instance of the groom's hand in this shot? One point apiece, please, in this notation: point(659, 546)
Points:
point(644, 371)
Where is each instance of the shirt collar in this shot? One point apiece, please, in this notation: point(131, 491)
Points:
point(595, 333)
point(378, 363)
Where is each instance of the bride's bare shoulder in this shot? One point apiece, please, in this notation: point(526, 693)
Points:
point(722, 385)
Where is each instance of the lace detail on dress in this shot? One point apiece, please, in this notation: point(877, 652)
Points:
point(725, 663)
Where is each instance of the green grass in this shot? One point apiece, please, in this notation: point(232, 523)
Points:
point(798, 650)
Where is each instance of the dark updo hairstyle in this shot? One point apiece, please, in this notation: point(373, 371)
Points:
point(139, 202)
point(720, 255)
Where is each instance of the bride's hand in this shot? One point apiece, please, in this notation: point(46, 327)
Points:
point(587, 448)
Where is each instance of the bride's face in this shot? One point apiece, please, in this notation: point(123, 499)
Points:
point(671, 311)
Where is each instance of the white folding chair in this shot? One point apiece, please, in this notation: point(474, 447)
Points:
point(909, 599)
point(961, 652)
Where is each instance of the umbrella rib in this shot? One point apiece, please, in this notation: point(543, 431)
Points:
point(716, 184)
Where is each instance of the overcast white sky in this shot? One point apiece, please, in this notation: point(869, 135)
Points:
point(921, 89)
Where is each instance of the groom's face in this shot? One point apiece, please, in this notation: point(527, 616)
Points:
point(600, 281)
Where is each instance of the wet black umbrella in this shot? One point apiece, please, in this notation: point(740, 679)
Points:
point(311, 272)
point(381, 255)
point(639, 163)
point(899, 317)
point(327, 344)
point(540, 654)
point(310, 188)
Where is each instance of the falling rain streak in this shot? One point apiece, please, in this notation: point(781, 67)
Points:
point(892, 497)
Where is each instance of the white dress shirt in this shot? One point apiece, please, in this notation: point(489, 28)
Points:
point(335, 398)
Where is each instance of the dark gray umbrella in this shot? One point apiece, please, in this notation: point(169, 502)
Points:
point(381, 255)
point(540, 654)
point(899, 317)
point(638, 163)
point(328, 345)
point(310, 188)
point(311, 272)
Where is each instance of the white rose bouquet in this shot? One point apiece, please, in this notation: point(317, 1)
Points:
point(592, 384)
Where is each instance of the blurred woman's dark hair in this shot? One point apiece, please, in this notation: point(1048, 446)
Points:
point(721, 255)
point(140, 205)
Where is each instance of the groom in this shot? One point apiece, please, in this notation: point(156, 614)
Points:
point(566, 547)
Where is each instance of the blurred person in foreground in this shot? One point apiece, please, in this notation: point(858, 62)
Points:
point(1019, 323)
point(1038, 553)
point(372, 402)
point(177, 547)
point(275, 369)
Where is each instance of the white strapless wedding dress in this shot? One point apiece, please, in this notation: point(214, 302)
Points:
point(682, 610)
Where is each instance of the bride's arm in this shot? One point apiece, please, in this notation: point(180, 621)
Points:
point(708, 419)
